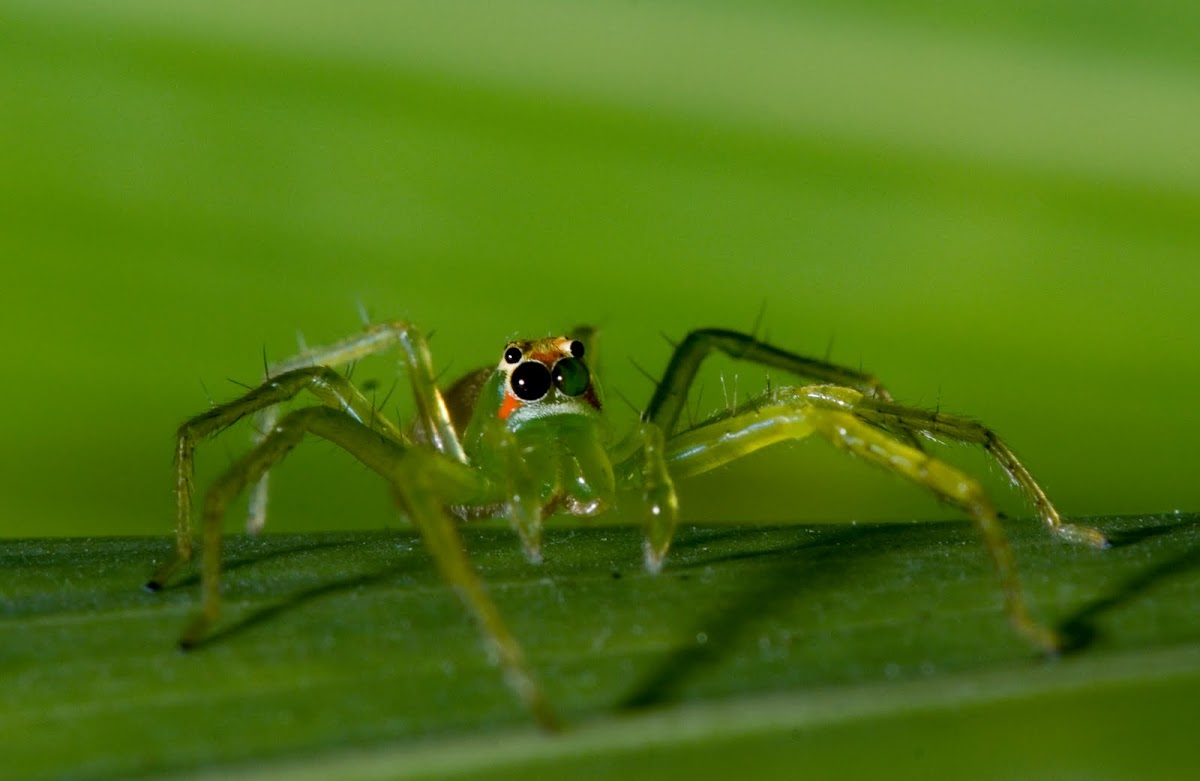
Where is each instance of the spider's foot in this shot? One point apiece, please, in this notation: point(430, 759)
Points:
point(653, 556)
point(533, 553)
point(530, 693)
point(163, 574)
point(255, 524)
point(256, 513)
point(661, 517)
point(546, 718)
point(1042, 637)
point(528, 526)
point(194, 634)
point(1081, 535)
point(531, 542)
point(1048, 641)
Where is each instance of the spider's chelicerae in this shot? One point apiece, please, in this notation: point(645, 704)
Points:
point(526, 439)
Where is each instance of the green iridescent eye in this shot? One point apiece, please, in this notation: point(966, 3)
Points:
point(571, 376)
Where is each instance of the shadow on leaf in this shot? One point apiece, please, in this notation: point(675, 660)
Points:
point(270, 612)
point(827, 554)
point(234, 564)
point(1079, 630)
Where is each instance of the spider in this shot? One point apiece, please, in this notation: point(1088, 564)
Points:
point(526, 439)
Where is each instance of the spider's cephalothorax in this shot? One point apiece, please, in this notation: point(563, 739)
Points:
point(543, 377)
point(536, 427)
point(526, 439)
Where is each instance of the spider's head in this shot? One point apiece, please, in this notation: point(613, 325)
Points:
point(545, 377)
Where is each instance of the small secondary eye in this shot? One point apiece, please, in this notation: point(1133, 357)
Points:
point(530, 381)
point(571, 376)
point(512, 355)
point(576, 348)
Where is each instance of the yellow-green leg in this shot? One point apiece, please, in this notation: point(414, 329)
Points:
point(662, 415)
point(524, 472)
point(793, 413)
point(849, 432)
point(660, 503)
point(327, 385)
point(423, 483)
point(432, 414)
point(671, 392)
point(657, 461)
point(956, 428)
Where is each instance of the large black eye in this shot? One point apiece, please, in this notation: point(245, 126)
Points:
point(512, 355)
point(571, 376)
point(530, 381)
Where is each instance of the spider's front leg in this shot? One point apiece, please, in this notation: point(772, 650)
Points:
point(423, 482)
point(660, 503)
point(671, 392)
point(432, 414)
point(644, 452)
point(327, 385)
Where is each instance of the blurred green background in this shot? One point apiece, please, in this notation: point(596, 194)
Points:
point(996, 209)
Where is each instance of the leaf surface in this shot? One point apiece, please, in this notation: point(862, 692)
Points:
point(840, 649)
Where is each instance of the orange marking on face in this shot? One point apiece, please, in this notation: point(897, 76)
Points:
point(511, 402)
point(547, 358)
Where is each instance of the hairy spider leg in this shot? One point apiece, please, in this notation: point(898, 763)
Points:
point(957, 428)
point(671, 393)
point(328, 386)
point(422, 482)
point(844, 416)
point(432, 414)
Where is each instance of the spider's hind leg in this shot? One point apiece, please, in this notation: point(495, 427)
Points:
point(849, 431)
point(957, 428)
point(855, 423)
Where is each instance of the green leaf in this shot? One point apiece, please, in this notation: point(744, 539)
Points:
point(759, 652)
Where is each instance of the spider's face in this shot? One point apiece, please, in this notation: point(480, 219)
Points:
point(546, 377)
